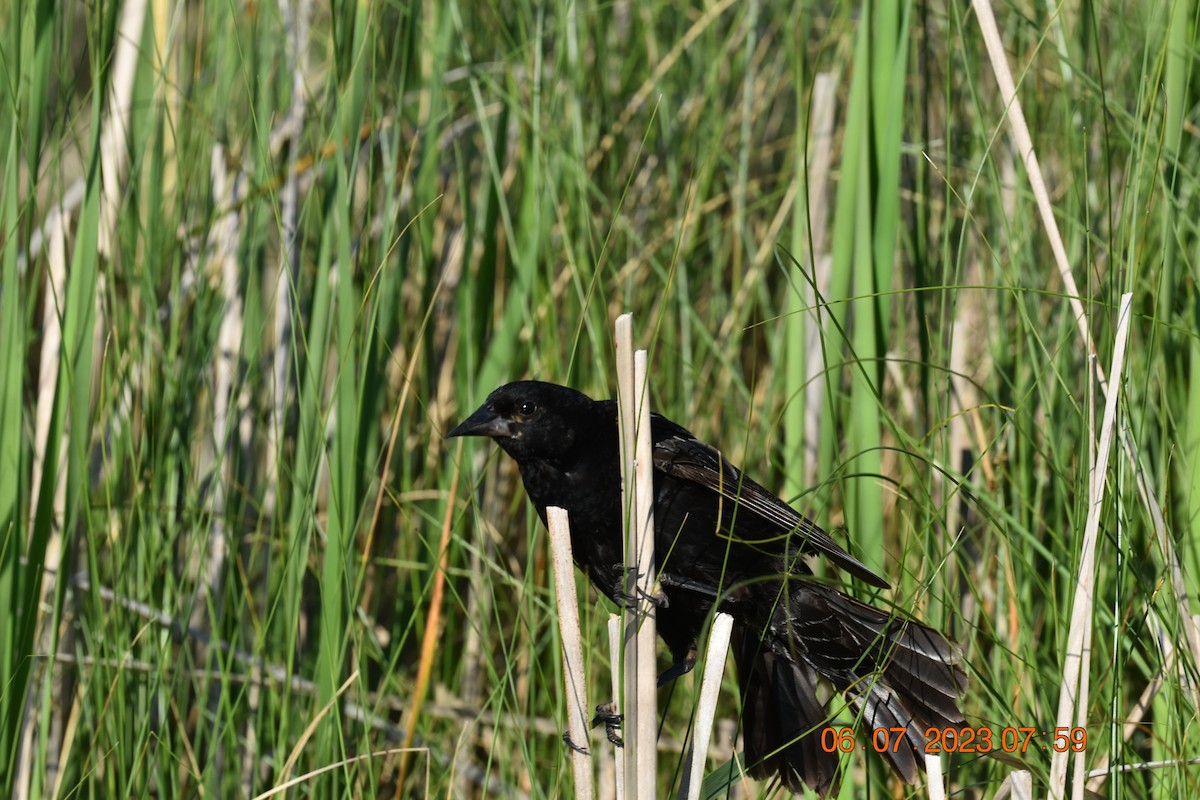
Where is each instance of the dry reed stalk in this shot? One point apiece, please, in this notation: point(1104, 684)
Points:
point(710, 689)
point(574, 676)
point(641, 682)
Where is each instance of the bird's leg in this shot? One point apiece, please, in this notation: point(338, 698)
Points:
point(727, 601)
point(611, 720)
point(681, 667)
point(567, 741)
point(673, 581)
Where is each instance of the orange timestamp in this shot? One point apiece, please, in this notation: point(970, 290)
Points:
point(960, 740)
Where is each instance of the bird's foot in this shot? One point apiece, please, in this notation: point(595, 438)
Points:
point(567, 741)
point(679, 668)
point(607, 716)
point(635, 598)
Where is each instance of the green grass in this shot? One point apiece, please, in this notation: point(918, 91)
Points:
point(223, 495)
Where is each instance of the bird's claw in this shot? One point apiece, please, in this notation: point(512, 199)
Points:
point(633, 599)
point(679, 668)
point(567, 741)
point(611, 720)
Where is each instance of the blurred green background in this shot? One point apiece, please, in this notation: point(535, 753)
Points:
point(256, 258)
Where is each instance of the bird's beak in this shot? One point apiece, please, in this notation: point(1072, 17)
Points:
point(484, 422)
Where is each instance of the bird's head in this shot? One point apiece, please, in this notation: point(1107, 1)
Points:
point(531, 419)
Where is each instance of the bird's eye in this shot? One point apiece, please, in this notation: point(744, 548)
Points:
point(528, 408)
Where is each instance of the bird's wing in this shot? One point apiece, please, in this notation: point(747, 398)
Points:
point(681, 455)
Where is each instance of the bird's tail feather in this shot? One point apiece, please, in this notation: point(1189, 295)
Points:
point(781, 717)
point(915, 661)
point(896, 673)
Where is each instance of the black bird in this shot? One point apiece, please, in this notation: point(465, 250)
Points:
point(724, 541)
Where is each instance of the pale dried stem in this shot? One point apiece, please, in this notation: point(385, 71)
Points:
point(1073, 693)
point(289, 251)
point(934, 777)
point(223, 240)
point(1018, 785)
point(114, 148)
point(1024, 142)
point(114, 136)
point(574, 677)
point(823, 106)
point(614, 662)
point(641, 716)
point(710, 689)
point(48, 374)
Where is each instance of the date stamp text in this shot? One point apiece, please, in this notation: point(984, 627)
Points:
point(959, 740)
